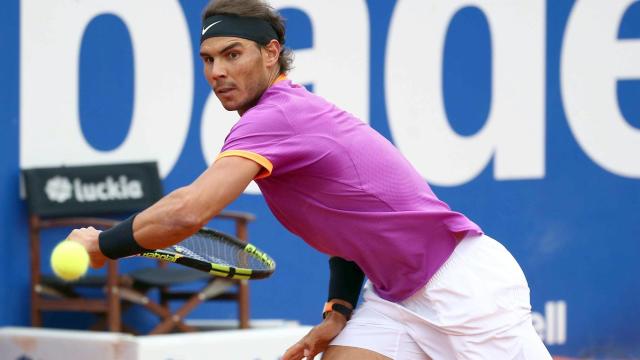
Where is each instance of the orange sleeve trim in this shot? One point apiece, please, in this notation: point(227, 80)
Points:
point(267, 166)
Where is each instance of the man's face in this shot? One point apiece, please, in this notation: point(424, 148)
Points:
point(236, 69)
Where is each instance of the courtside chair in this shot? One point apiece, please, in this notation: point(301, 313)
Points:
point(167, 277)
point(48, 293)
point(98, 196)
point(81, 196)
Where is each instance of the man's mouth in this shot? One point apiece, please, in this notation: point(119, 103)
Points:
point(224, 90)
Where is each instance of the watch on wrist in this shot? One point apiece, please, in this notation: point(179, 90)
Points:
point(337, 307)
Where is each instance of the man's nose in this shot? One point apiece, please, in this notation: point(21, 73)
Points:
point(217, 71)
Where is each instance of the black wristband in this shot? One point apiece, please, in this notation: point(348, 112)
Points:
point(337, 307)
point(118, 242)
point(346, 280)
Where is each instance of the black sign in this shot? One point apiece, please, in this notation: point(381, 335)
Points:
point(91, 190)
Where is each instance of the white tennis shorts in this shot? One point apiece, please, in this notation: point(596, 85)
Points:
point(475, 307)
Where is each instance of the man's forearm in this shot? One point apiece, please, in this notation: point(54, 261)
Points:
point(168, 221)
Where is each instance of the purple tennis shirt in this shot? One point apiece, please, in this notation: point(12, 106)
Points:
point(346, 190)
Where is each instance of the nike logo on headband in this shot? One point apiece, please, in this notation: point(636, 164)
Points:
point(208, 27)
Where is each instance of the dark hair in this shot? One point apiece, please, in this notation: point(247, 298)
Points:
point(258, 9)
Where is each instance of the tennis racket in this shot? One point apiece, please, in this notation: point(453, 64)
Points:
point(219, 254)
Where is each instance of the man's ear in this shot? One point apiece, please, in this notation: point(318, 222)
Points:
point(272, 52)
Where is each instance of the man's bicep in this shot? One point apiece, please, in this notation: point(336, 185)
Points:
point(223, 182)
point(265, 164)
point(237, 168)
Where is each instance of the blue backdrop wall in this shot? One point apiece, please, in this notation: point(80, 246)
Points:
point(524, 115)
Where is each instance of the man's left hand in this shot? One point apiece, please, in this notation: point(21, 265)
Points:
point(318, 339)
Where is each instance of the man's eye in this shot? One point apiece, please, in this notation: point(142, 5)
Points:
point(233, 55)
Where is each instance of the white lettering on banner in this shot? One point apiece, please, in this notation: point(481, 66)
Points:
point(552, 326)
point(591, 64)
point(592, 61)
point(513, 133)
point(338, 70)
point(60, 189)
point(107, 190)
point(50, 41)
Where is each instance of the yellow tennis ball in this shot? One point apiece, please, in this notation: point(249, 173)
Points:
point(69, 260)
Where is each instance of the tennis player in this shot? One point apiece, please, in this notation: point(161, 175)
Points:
point(437, 288)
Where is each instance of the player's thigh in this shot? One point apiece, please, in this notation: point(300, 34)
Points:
point(378, 327)
point(336, 352)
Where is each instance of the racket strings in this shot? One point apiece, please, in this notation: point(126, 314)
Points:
point(214, 249)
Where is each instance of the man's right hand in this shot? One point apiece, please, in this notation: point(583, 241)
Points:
point(88, 237)
point(318, 339)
